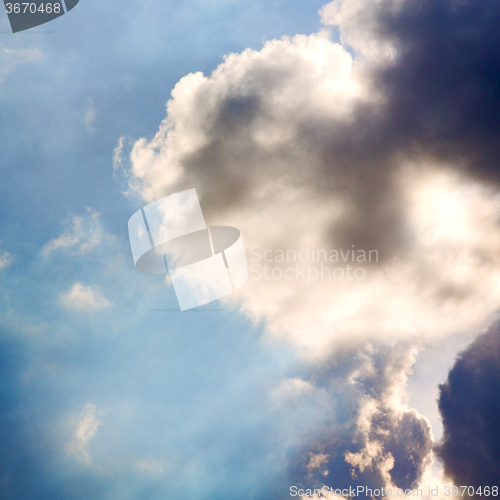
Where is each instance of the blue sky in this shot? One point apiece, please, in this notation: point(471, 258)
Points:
point(119, 65)
point(106, 391)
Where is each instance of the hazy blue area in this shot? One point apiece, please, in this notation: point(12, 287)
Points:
point(177, 402)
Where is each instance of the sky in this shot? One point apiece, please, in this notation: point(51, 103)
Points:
point(356, 133)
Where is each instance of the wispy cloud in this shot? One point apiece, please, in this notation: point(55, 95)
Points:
point(82, 234)
point(84, 298)
point(10, 58)
point(90, 117)
point(6, 259)
point(118, 155)
point(86, 428)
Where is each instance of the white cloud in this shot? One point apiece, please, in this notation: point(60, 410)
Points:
point(84, 298)
point(10, 58)
point(434, 482)
point(82, 234)
point(118, 155)
point(290, 390)
point(317, 462)
point(299, 78)
point(387, 430)
point(6, 259)
point(359, 27)
point(86, 428)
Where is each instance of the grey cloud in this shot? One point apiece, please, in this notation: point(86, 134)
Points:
point(443, 86)
point(346, 157)
point(410, 444)
point(373, 439)
point(439, 103)
point(470, 408)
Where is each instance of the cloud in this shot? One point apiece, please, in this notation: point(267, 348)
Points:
point(10, 58)
point(437, 65)
point(374, 439)
point(84, 298)
point(470, 409)
point(386, 142)
point(82, 234)
point(86, 428)
point(118, 155)
point(296, 145)
point(290, 390)
point(360, 25)
point(6, 259)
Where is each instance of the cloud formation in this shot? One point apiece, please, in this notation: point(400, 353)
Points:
point(375, 439)
point(440, 75)
point(299, 145)
point(86, 428)
point(81, 234)
point(84, 298)
point(10, 58)
point(6, 259)
point(393, 149)
point(470, 409)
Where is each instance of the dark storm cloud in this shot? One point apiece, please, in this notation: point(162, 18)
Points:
point(470, 406)
point(443, 101)
point(443, 85)
point(444, 88)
